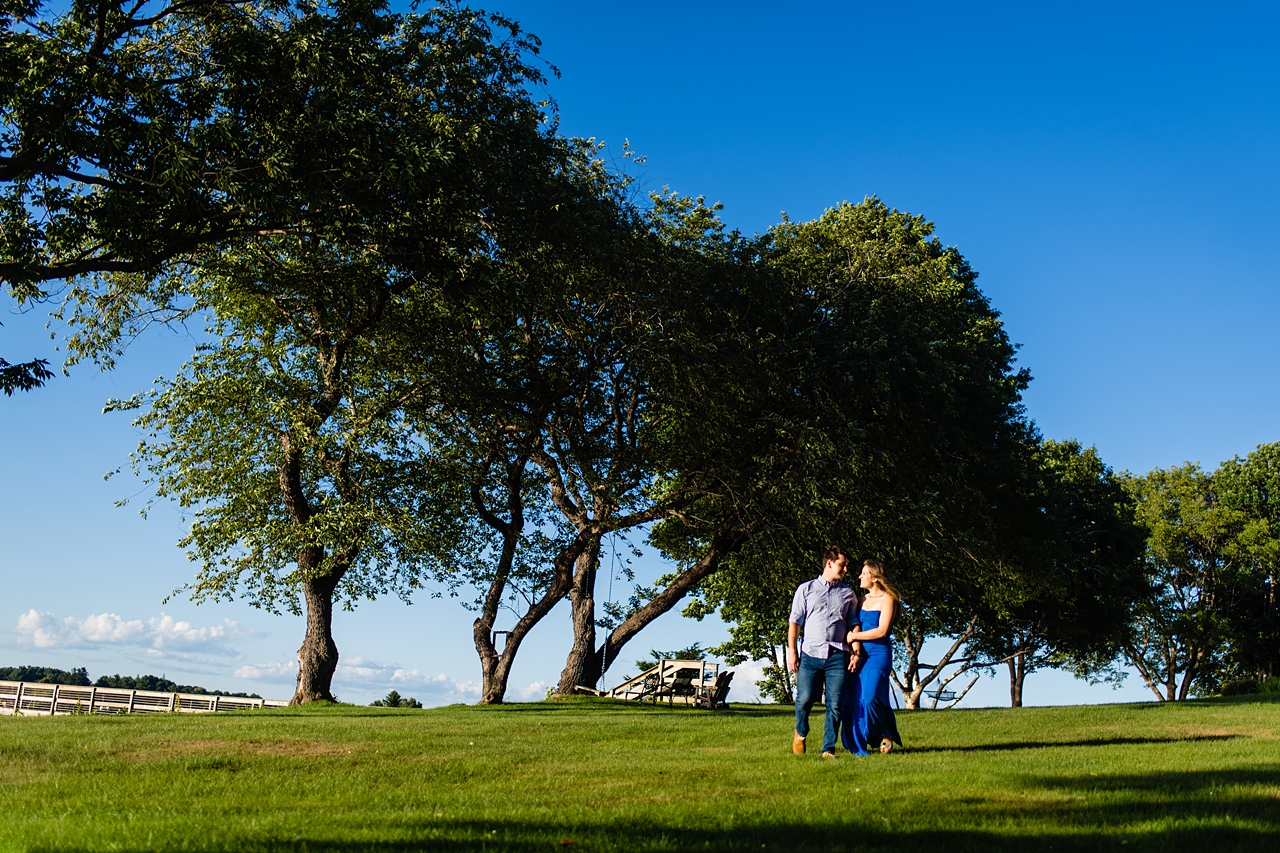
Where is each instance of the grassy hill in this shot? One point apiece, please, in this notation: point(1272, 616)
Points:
point(597, 776)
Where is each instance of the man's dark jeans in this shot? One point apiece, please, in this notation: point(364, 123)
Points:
point(812, 672)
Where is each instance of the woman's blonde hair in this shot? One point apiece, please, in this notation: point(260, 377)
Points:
point(879, 576)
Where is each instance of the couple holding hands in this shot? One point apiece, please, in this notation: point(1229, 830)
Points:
point(847, 650)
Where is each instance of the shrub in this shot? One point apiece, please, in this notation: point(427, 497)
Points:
point(1271, 685)
point(395, 700)
point(1240, 687)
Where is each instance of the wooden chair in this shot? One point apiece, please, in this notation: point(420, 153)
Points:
point(716, 696)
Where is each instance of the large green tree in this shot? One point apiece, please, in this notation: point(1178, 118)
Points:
point(394, 157)
point(903, 420)
point(284, 439)
point(522, 402)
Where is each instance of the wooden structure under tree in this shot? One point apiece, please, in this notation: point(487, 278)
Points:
point(672, 680)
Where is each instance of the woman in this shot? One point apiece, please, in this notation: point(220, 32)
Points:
point(868, 717)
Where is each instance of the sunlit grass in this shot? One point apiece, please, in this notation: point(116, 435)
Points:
point(602, 776)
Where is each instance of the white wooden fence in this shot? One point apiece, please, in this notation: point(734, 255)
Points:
point(26, 698)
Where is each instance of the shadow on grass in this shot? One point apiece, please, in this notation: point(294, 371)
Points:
point(527, 837)
point(581, 704)
point(1036, 744)
point(1181, 783)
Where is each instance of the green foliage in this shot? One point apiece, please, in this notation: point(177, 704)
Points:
point(45, 675)
point(395, 700)
point(137, 132)
point(1240, 687)
point(1251, 487)
point(24, 376)
point(160, 684)
point(1269, 685)
point(365, 171)
point(888, 418)
point(528, 777)
point(777, 685)
point(1179, 632)
point(1072, 559)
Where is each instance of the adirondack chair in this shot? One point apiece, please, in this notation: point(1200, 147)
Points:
point(717, 695)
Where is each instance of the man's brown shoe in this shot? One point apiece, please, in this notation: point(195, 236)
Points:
point(797, 745)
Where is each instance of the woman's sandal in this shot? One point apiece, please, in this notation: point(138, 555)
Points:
point(886, 746)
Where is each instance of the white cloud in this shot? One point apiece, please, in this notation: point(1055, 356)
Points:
point(534, 692)
point(157, 635)
point(361, 672)
point(745, 676)
point(371, 679)
point(268, 671)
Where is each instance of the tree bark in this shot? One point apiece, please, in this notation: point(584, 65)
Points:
point(583, 667)
point(1017, 677)
point(494, 671)
point(318, 654)
point(561, 583)
point(1139, 661)
point(494, 676)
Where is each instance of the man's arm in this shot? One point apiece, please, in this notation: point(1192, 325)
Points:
point(855, 647)
point(799, 610)
point(793, 653)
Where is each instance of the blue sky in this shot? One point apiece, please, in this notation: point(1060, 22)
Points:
point(1109, 169)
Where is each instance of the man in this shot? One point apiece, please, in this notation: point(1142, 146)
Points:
point(824, 607)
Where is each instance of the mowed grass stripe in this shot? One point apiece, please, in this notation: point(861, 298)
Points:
point(598, 775)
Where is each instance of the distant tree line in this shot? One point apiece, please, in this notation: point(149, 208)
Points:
point(80, 677)
point(443, 345)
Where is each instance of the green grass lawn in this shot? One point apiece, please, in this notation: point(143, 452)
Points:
point(596, 776)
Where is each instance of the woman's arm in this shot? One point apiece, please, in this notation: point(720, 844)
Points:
point(881, 630)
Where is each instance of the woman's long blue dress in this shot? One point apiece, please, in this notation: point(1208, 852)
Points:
point(868, 716)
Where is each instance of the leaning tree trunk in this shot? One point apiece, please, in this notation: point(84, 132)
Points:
point(318, 655)
point(913, 680)
point(594, 664)
point(561, 583)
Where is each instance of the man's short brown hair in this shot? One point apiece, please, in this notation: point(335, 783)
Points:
point(833, 553)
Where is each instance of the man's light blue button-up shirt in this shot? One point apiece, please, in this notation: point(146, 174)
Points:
point(825, 611)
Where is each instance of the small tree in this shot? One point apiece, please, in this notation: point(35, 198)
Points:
point(1178, 632)
point(1251, 488)
point(395, 700)
point(1072, 558)
point(694, 652)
